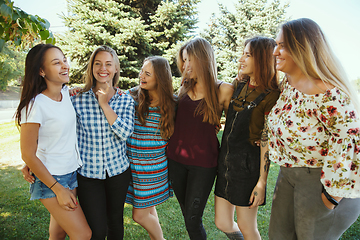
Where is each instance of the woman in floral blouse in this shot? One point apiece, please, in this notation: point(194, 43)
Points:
point(314, 134)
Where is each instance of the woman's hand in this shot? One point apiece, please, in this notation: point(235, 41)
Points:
point(327, 203)
point(104, 94)
point(74, 91)
point(65, 197)
point(27, 174)
point(258, 195)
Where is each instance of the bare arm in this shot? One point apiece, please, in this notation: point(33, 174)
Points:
point(28, 146)
point(258, 195)
point(226, 91)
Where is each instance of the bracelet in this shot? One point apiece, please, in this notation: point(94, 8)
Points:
point(54, 184)
point(330, 198)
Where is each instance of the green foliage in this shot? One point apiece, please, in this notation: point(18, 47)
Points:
point(21, 218)
point(228, 32)
point(18, 31)
point(134, 29)
point(12, 65)
point(20, 27)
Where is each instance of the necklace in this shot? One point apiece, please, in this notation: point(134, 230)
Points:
point(246, 93)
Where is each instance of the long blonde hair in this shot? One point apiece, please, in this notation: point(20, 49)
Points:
point(89, 78)
point(202, 55)
point(163, 77)
point(311, 52)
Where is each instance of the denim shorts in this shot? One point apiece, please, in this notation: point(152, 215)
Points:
point(39, 190)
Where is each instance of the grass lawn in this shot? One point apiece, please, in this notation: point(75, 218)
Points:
point(24, 219)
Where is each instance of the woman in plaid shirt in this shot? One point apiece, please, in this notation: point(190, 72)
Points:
point(105, 120)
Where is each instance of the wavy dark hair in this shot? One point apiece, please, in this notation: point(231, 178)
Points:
point(33, 83)
point(265, 74)
point(164, 89)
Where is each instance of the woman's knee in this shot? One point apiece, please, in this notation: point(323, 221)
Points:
point(54, 234)
point(218, 223)
point(192, 221)
point(85, 234)
point(224, 215)
point(249, 229)
point(138, 215)
point(222, 223)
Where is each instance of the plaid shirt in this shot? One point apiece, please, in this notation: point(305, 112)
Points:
point(103, 147)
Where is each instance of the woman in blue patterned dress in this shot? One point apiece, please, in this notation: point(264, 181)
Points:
point(154, 124)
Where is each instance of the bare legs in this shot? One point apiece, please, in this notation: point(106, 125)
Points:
point(148, 219)
point(246, 219)
point(62, 222)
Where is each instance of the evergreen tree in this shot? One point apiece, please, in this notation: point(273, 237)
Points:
point(228, 32)
point(134, 29)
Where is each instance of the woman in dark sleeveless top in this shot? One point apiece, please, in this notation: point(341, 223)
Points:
point(193, 148)
point(243, 165)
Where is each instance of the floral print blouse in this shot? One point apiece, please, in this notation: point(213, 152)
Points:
point(321, 130)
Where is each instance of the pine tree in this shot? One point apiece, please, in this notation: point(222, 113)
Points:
point(228, 32)
point(134, 29)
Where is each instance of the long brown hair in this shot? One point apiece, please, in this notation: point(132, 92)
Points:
point(90, 80)
point(179, 59)
point(164, 89)
point(202, 55)
point(309, 49)
point(265, 74)
point(33, 83)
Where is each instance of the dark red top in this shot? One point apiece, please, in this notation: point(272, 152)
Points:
point(194, 142)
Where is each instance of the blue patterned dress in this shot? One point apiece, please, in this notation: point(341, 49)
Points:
point(146, 152)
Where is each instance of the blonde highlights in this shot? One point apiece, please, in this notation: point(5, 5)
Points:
point(89, 78)
point(311, 52)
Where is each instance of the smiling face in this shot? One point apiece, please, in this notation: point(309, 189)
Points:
point(247, 62)
point(284, 61)
point(147, 77)
point(104, 68)
point(55, 67)
point(188, 65)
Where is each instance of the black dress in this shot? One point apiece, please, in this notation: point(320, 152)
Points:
point(239, 160)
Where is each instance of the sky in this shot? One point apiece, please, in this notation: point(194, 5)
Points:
point(340, 21)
